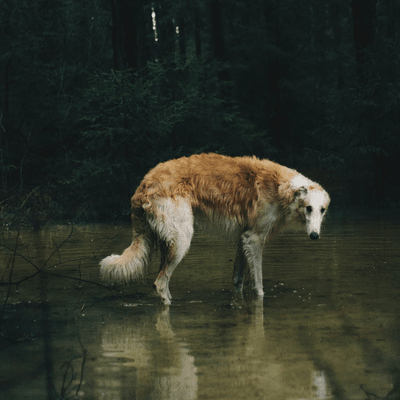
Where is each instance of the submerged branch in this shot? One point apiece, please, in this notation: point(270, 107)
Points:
point(44, 268)
point(58, 247)
point(10, 278)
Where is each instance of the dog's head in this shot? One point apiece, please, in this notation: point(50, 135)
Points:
point(312, 204)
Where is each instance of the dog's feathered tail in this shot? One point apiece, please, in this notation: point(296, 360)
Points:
point(131, 264)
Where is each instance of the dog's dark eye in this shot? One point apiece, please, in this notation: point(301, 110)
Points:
point(322, 210)
point(309, 209)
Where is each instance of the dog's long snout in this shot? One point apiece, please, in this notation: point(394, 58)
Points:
point(314, 236)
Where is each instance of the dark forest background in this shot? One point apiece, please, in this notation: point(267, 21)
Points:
point(95, 93)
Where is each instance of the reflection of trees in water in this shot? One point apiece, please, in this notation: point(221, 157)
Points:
point(163, 367)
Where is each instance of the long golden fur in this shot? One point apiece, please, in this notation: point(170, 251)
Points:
point(250, 198)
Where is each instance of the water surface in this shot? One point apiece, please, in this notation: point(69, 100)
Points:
point(327, 328)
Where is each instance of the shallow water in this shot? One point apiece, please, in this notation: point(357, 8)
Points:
point(327, 328)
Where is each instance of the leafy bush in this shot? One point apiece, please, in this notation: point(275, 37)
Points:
point(133, 121)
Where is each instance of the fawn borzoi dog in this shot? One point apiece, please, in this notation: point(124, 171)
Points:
point(250, 198)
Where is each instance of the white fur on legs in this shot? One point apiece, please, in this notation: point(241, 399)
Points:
point(252, 247)
point(172, 220)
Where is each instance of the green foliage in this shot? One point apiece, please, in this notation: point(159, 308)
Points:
point(362, 127)
point(133, 121)
point(277, 79)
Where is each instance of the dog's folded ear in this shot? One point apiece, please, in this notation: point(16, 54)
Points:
point(289, 195)
point(301, 191)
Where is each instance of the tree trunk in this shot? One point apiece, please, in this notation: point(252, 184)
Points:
point(165, 31)
point(218, 43)
point(117, 56)
point(197, 34)
point(182, 37)
point(275, 114)
point(274, 105)
point(129, 34)
point(335, 12)
point(217, 29)
point(364, 21)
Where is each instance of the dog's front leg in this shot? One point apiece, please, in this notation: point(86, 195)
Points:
point(252, 250)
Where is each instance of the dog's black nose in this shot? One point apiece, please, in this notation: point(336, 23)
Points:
point(314, 236)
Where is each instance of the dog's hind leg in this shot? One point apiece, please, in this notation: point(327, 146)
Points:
point(239, 268)
point(165, 261)
point(252, 250)
point(173, 223)
point(169, 262)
